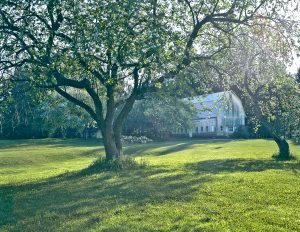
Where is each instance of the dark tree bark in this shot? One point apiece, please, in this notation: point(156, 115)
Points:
point(110, 145)
point(284, 149)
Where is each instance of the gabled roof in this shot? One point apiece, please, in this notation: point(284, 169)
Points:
point(209, 105)
point(211, 97)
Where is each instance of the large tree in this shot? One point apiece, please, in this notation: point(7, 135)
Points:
point(255, 68)
point(115, 51)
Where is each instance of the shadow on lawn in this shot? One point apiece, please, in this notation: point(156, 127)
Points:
point(82, 201)
point(85, 200)
point(174, 148)
point(164, 148)
point(242, 165)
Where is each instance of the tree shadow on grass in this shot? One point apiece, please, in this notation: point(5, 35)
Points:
point(242, 165)
point(174, 148)
point(165, 148)
point(83, 200)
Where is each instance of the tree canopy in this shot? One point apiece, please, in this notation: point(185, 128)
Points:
point(255, 68)
point(115, 51)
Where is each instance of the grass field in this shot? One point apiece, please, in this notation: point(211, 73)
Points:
point(218, 185)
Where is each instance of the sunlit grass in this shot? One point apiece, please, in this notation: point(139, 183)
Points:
point(30, 160)
point(189, 185)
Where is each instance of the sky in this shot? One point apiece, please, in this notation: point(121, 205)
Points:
point(295, 66)
point(295, 12)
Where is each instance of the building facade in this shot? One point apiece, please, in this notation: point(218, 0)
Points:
point(217, 114)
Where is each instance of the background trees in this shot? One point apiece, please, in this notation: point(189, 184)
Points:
point(63, 119)
point(159, 116)
point(26, 113)
point(19, 116)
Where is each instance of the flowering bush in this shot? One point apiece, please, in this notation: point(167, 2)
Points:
point(135, 139)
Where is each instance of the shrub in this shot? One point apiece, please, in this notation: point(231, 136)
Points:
point(123, 163)
point(135, 139)
point(277, 156)
point(241, 132)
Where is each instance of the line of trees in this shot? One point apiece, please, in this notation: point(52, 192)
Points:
point(28, 113)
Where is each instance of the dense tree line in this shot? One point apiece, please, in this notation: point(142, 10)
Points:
point(27, 112)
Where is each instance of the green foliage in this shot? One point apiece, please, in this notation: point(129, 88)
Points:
point(19, 115)
point(29, 112)
point(122, 163)
point(63, 119)
point(241, 132)
point(158, 115)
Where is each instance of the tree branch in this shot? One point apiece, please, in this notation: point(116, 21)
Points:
point(77, 102)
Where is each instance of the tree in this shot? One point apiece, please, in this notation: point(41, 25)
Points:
point(158, 116)
point(26, 112)
point(62, 118)
point(19, 115)
point(114, 51)
point(256, 70)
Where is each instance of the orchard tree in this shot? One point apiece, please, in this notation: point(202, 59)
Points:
point(115, 51)
point(255, 68)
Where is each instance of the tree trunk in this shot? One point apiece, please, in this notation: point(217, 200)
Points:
point(284, 149)
point(112, 151)
point(118, 136)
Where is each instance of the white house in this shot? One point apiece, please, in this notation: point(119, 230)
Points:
point(217, 114)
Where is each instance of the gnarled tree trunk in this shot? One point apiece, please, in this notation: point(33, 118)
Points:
point(113, 149)
point(112, 132)
point(283, 146)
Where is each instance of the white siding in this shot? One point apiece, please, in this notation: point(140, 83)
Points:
point(219, 113)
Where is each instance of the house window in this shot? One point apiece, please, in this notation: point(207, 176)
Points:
point(206, 128)
point(197, 129)
point(201, 128)
point(221, 128)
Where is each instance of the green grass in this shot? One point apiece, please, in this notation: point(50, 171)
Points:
point(218, 185)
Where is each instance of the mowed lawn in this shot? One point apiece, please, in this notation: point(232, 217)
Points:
point(189, 185)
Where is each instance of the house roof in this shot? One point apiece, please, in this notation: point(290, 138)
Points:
point(211, 97)
point(209, 105)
